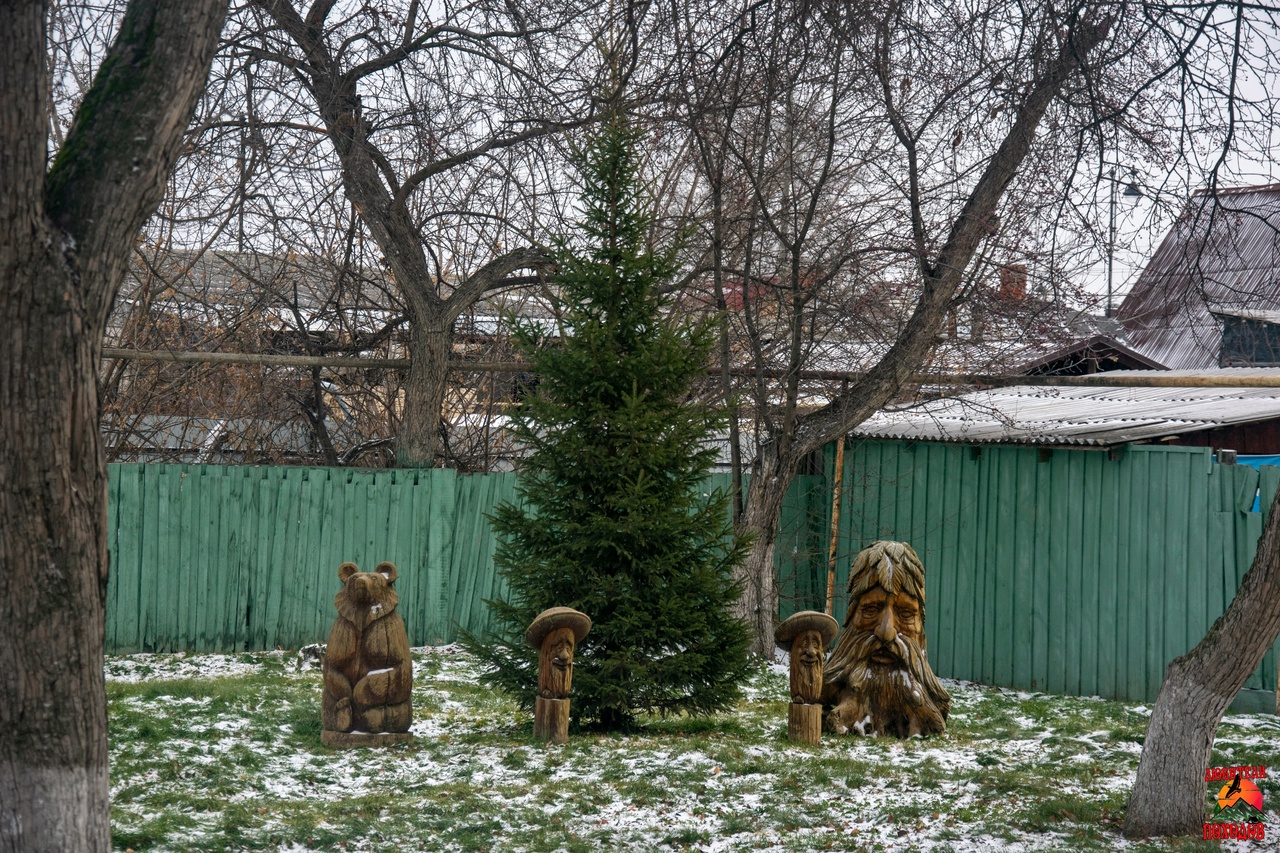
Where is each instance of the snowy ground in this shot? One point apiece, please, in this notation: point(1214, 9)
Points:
point(222, 752)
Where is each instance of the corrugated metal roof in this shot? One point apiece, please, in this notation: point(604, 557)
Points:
point(1222, 256)
point(1091, 417)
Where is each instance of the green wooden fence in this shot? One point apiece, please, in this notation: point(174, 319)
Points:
point(211, 558)
point(222, 558)
point(1069, 571)
point(1072, 572)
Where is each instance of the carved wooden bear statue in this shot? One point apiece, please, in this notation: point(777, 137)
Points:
point(368, 675)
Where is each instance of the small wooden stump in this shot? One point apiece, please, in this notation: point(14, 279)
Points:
point(804, 722)
point(347, 740)
point(551, 720)
point(555, 633)
point(806, 636)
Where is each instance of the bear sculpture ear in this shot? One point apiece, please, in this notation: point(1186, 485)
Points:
point(346, 570)
point(388, 571)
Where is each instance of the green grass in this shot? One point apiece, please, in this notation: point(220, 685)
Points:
point(235, 763)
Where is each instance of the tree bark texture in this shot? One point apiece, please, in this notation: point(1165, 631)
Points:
point(419, 437)
point(65, 236)
point(1169, 793)
point(758, 604)
point(942, 274)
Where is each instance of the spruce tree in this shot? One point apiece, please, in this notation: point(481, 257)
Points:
point(615, 518)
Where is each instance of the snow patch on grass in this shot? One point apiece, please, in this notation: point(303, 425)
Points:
point(202, 761)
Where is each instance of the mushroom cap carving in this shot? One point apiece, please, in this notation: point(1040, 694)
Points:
point(557, 617)
point(806, 620)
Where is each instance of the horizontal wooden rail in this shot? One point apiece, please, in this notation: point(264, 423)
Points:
point(1096, 380)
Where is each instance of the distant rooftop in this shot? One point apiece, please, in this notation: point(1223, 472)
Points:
point(1220, 259)
point(1089, 417)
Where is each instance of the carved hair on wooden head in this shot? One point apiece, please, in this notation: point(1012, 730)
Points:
point(895, 566)
point(877, 679)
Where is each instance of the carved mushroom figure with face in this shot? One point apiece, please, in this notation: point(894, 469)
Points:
point(806, 635)
point(878, 679)
point(555, 664)
point(555, 633)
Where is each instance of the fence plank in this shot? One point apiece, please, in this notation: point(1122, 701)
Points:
point(1136, 647)
point(124, 514)
point(1174, 584)
point(1107, 568)
point(1090, 574)
point(1060, 547)
point(1042, 587)
point(1003, 567)
point(1198, 555)
point(1023, 580)
point(967, 643)
point(940, 624)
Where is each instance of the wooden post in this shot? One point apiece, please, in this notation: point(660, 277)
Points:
point(835, 526)
point(551, 720)
point(804, 722)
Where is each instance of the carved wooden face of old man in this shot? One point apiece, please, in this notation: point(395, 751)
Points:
point(555, 664)
point(806, 667)
point(878, 678)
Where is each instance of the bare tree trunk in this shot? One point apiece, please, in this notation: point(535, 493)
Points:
point(941, 274)
point(419, 442)
point(1169, 793)
point(313, 408)
point(65, 237)
point(759, 602)
point(53, 570)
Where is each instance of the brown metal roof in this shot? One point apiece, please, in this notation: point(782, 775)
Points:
point(1098, 347)
point(1222, 257)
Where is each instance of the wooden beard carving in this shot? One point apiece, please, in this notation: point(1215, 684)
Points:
point(877, 679)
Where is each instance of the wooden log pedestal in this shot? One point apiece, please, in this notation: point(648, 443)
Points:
point(806, 635)
point(555, 633)
point(804, 722)
point(346, 740)
point(551, 720)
